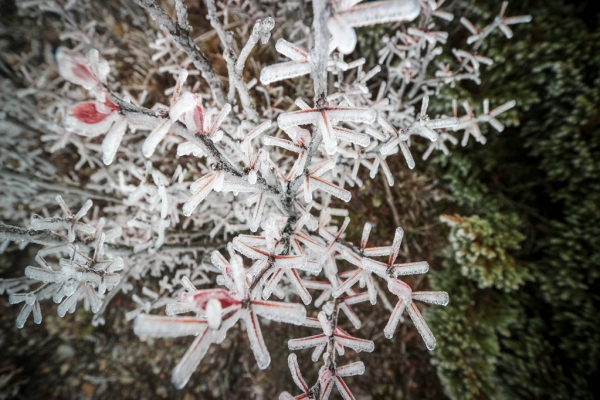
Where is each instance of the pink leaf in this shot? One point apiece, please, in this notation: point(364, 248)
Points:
point(202, 297)
point(85, 119)
point(194, 119)
point(74, 67)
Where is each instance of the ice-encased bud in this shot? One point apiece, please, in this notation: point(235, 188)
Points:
point(343, 35)
point(186, 102)
point(213, 313)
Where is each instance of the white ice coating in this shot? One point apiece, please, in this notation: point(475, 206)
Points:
point(213, 313)
point(290, 313)
point(200, 189)
point(257, 343)
point(285, 70)
point(356, 368)
point(440, 298)
point(318, 183)
point(381, 12)
point(112, 140)
point(185, 103)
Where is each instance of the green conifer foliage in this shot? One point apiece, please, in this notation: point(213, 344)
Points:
point(480, 247)
point(544, 332)
point(478, 314)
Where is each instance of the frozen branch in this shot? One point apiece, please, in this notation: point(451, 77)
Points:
point(183, 39)
point(320, 51)
point(15, 234)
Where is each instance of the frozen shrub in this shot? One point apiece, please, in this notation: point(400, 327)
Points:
point(256, 155)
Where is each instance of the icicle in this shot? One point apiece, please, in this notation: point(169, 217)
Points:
point(290, 50)
point(390, 327)
point(356, 368)
point(191, 359)
point(318, 183)
point(381, 12)
point(290, 313)
point(351, 136)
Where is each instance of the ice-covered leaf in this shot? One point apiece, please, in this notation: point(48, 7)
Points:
point(85, 119)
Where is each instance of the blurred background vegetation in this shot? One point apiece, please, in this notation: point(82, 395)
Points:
point(523, 262)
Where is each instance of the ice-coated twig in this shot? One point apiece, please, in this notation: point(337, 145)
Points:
point(78, 276)
point(182, 38)
point(261, 31)
point(299, 65)
point(70, 222)
point(16, 234)
point(405, 302)
point(324, 118)
point(470, 123)
point(182, 14)
point(440, 144)
point(500, 22)
point(204, 142)
point(422, 126)
point(322, 389)
point(389, 269)
point(319, 53)
point(217, 311)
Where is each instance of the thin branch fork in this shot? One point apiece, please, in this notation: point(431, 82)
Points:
point(185, 42)
point(152, 118)
point(48, 238)
point(235, 64)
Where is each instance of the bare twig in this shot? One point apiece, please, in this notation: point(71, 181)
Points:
point(390, 200)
